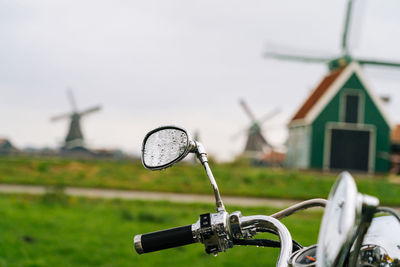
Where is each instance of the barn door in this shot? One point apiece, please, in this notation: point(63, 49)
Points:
point(350, 149)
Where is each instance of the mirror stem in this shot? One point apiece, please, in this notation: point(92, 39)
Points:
point(369, 206)
point(202, 156)
point(218, 200)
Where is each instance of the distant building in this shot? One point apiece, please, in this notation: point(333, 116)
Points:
point(108, 153)
point(273, 158)
point(6, 147)
point(395, 137)
point(395, 150)
point(341, 126)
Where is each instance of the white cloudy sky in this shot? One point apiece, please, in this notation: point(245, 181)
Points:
point(182, 62)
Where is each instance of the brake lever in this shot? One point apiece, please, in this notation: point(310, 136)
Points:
point(265, 243)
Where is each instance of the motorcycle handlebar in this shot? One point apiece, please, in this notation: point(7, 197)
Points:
point(170, 238)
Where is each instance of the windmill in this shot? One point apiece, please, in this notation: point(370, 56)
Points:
point(256, 143)
point(333, 63)
point(74, 139)
point(307, 147)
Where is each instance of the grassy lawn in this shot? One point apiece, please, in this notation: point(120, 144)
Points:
point(55, 230)
point(233, 179)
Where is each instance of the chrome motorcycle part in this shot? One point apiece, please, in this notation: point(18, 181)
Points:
point(234, 221)
point(202, 156)
point(165, 146)
point(373, 256)
point(369, 206)
point(212, 230)
point(385, 233)
point(339, 221)
point(306, 257)
point(216, 231)
point(388, 211)
point(345, 222)
point(317, 202)
point(137, 243)
point(260, 223)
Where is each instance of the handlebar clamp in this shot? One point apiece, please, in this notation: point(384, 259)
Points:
point(213, 231)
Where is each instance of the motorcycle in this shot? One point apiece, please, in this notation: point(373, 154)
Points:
point(349, 235)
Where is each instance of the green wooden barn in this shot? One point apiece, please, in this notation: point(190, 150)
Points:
point(341, 126)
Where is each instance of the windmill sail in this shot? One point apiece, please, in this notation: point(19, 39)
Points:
point(346, 28)
point(90, 110)
point(71, 99)
point(293, 57)
point(333, 63)
point(60, 117)
point(379, 63)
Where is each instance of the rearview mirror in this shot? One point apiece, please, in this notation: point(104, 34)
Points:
point(339, 223)
point(164, 146)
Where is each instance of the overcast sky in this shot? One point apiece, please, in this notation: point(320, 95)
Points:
point(157, 62)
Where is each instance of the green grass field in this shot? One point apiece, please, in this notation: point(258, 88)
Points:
point(56, 230)
point(233, 179)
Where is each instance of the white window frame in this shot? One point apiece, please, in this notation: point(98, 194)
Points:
point(361, 104)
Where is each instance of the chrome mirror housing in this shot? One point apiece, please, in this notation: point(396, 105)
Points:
point(346, 219)
point(165, 146)
point(339, 222)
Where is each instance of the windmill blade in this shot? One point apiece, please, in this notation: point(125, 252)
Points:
point(239, 133)
point(71, 99)
point(378, 63)
point(247, 110)
point(346, 27)
point(283, 49)
point(60, 117)
point(275, 127)
point(308, 59)
point(269, 115)
point(90, 110)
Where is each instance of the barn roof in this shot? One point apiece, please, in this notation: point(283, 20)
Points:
point(316, 94)
point(327, 89)
point(3, 141)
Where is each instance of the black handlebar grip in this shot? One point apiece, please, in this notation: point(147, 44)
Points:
point(164, 239)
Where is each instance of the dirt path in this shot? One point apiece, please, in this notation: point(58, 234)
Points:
point(127, 194)
point(142, 195)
